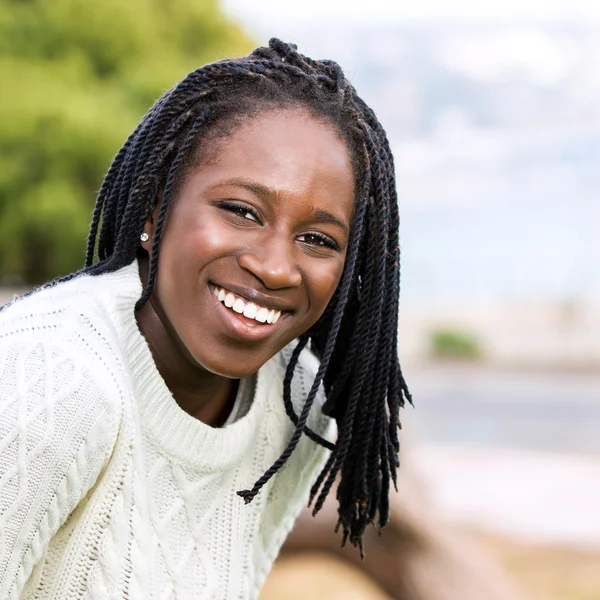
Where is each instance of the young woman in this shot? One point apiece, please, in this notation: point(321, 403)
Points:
point(236, 321)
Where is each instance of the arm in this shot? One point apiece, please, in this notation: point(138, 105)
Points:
point(417, 557)
point(57, 429)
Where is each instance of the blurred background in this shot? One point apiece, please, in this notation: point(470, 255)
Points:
point(493, 112)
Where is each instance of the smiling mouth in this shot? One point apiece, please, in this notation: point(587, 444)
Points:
point(250, 310)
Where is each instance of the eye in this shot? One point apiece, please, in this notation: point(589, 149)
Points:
point(241, 210)
point(318, 239)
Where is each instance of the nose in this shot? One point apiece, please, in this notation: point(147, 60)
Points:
point(273, 262)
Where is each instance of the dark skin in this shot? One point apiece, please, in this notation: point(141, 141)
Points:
point(265, 215)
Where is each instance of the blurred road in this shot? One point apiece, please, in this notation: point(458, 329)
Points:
point(514, 453)
point(536, 411)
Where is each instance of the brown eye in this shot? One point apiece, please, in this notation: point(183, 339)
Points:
point(318, 239)
point(241, 210)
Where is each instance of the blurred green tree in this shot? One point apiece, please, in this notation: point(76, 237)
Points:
point(76, 78)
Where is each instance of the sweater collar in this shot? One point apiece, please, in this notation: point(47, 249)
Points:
point(181, 436)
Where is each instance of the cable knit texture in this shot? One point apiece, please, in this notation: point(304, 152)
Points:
point(107, 488)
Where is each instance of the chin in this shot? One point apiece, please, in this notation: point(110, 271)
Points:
point(229, 358)
point(227, 368)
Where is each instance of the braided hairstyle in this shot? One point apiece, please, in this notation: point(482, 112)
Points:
point(356, 337)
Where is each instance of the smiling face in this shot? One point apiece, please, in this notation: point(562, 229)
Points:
point(260, 226)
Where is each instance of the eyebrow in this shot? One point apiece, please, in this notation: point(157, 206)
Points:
point(320, 215)
point(255, 188)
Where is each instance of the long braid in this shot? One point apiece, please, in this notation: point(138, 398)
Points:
point(104, 190)
point(347, 277)
point(367, 330)
point(394, 229)
point(346, 421)
point(374, 287)
point(200, 121)
point(287, 394)
point(375, 460)
point(356, 337)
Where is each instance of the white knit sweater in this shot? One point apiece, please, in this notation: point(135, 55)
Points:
point(107, 488)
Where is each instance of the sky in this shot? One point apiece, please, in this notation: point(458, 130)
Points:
point(267, 13)
point(465, 186)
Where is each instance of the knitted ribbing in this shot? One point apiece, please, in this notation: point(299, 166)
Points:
point(107, 488)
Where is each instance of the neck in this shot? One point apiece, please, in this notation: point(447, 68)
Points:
point(200, 393)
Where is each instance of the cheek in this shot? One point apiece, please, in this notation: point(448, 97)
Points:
point(192, 240)
point(186, 246)
point(323, 283)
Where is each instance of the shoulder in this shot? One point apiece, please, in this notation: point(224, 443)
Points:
point(49, 309)
point(301, 384)
point(289, 490)
point(60, 412)
point(82, 315)
point(61, 340)
point(277, 431)
point(57, 385)
point(308, 455)
point(51, 369)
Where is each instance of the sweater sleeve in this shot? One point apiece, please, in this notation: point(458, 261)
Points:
point(58, 424)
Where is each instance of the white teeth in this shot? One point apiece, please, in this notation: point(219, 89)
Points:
point(262, 314)
point(250, 310)
point(238, 305)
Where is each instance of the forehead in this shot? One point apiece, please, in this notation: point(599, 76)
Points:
point(287, 150)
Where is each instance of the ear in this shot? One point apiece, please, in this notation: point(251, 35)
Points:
point(150, 225)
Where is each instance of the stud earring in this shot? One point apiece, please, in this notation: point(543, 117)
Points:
point(144, 237)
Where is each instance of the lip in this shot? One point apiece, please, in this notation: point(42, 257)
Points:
point(257, 297)
point(243, 327)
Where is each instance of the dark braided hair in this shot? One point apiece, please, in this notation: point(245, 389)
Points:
point(356, 337)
